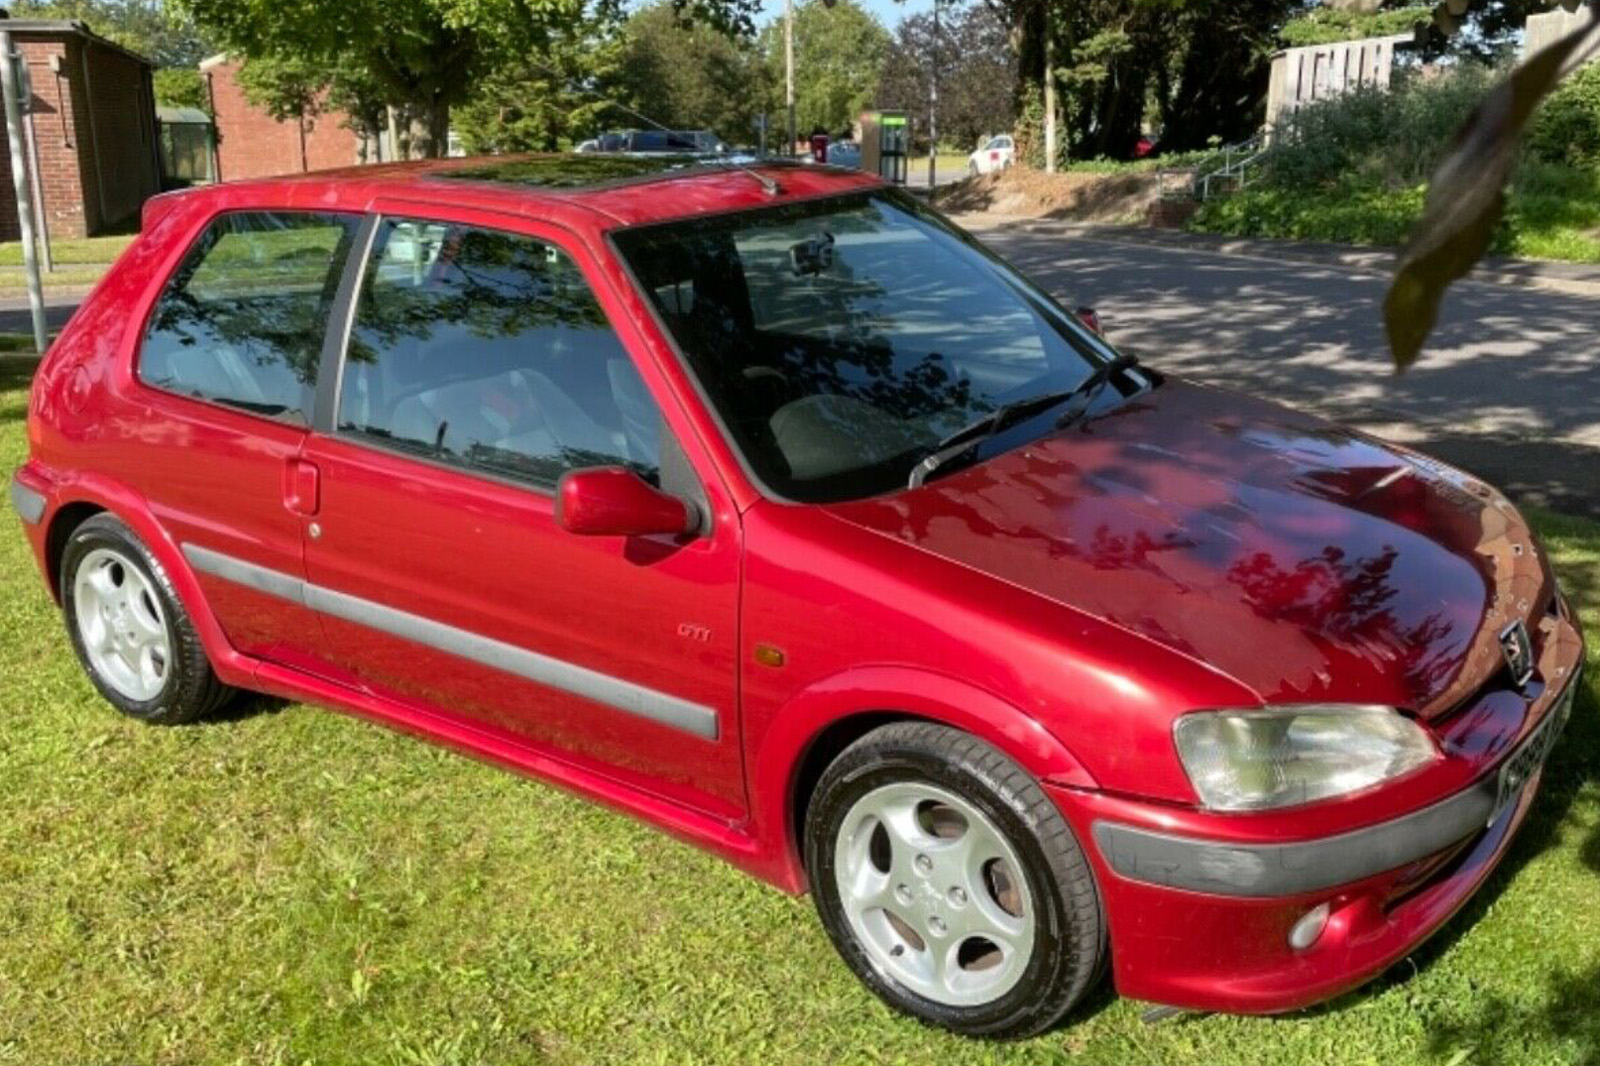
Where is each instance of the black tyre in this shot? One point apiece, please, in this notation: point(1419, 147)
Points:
point(950, 883)
point(129, 628)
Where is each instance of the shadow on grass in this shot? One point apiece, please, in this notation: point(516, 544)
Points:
point(1564, 1025)
point(244, 706)
point(1497, 1030)
point(16, 371)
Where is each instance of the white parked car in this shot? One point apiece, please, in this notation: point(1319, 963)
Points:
point(996, 155)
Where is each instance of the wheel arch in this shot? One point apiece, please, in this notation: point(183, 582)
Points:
point(63, 522)
point(815, 726)
point(84, 497)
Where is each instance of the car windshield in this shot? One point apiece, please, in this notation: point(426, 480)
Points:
point(842, 341)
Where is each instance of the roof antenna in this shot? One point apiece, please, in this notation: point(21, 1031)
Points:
point(768, 185)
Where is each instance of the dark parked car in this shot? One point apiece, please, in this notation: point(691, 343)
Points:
point(694, 142)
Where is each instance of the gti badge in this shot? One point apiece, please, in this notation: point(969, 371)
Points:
point(1518, 652)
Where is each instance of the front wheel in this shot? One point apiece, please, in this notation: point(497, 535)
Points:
point(950, 883)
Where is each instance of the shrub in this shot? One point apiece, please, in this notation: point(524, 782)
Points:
point(1567, 127)
point(1374, 137)
point(1346, 214)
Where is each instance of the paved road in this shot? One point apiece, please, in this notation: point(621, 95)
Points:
point(58, 307)
point(1509, 387)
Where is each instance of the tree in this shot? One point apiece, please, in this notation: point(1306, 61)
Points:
point(180, 87)
point(160, 33)
point(688, 75)
point(152, 29)
point(839, 55)
point(305, 92)
point(1199, 67)
point(1325, 25)
point(423, 57)
point(977, 71)
point(546, 103)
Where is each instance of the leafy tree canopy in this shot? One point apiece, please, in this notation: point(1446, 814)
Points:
point(157, 31)
point(1326, 25)
point(689, 75)
point(977, 72)
point(548, 102)
point(839, 55)
point(422, 57)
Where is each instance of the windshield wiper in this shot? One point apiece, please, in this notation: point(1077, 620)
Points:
point(969, 437)
point(1089, 389)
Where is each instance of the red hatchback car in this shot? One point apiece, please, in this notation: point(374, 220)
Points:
point(762, 503)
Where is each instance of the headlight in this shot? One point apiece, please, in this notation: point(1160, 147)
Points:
point(1284, 756)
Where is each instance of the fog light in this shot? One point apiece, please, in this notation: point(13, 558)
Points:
point(1309, 927)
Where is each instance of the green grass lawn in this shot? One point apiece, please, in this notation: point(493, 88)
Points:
point(72, 250)
point(289, 885)
point(1552, 213)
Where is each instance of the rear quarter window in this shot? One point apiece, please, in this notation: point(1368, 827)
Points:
point(241, 321)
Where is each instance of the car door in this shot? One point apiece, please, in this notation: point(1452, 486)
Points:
point(481, 364)
point(226, 369)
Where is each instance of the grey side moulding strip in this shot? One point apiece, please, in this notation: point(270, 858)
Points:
point(681, 714)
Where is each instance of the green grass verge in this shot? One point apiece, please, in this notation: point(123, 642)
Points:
point(290, 885)
point(12, 282)
point(72, 250)
point(1553, 213)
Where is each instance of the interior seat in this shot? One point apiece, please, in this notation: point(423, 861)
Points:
point(520, 411)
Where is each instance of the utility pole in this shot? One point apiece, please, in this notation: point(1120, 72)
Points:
point(788, 62)
point(19, 183)
point(1049, 93)
point(933, 106)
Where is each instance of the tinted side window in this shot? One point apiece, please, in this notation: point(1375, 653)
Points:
point(241, 321)
point(489, 351)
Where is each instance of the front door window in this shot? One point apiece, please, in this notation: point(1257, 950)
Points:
point(487, 351)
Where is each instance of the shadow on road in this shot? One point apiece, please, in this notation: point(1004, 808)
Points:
point(1509, 386)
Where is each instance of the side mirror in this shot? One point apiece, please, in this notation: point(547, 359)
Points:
point(1091, 318)
point(611, 501)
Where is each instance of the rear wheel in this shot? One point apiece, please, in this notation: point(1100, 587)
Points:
point(950, 883)
point(972, 170)
point(129, 628)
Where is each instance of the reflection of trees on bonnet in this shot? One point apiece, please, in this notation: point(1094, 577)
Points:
point(493, 285)
point(1349, 598)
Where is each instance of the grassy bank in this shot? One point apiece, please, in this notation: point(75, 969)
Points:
point(1553, 213)
point(289, 885)
point(1354, 167)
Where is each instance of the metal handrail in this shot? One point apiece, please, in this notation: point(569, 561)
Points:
point(1237, 159)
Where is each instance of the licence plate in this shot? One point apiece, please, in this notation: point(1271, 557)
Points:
point(1523, 763)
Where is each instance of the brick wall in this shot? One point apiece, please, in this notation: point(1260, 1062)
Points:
point(121, 106)
point(253, 144)
point(93, 127)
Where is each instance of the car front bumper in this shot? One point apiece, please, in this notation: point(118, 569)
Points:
point(1204, 921)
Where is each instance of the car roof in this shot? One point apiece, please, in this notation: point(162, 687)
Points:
point(612, 190)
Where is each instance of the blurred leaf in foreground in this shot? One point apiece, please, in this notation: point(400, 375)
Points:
point(1467, 195)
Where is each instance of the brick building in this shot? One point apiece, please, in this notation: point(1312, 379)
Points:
point(253, 144)
point(89, 131)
